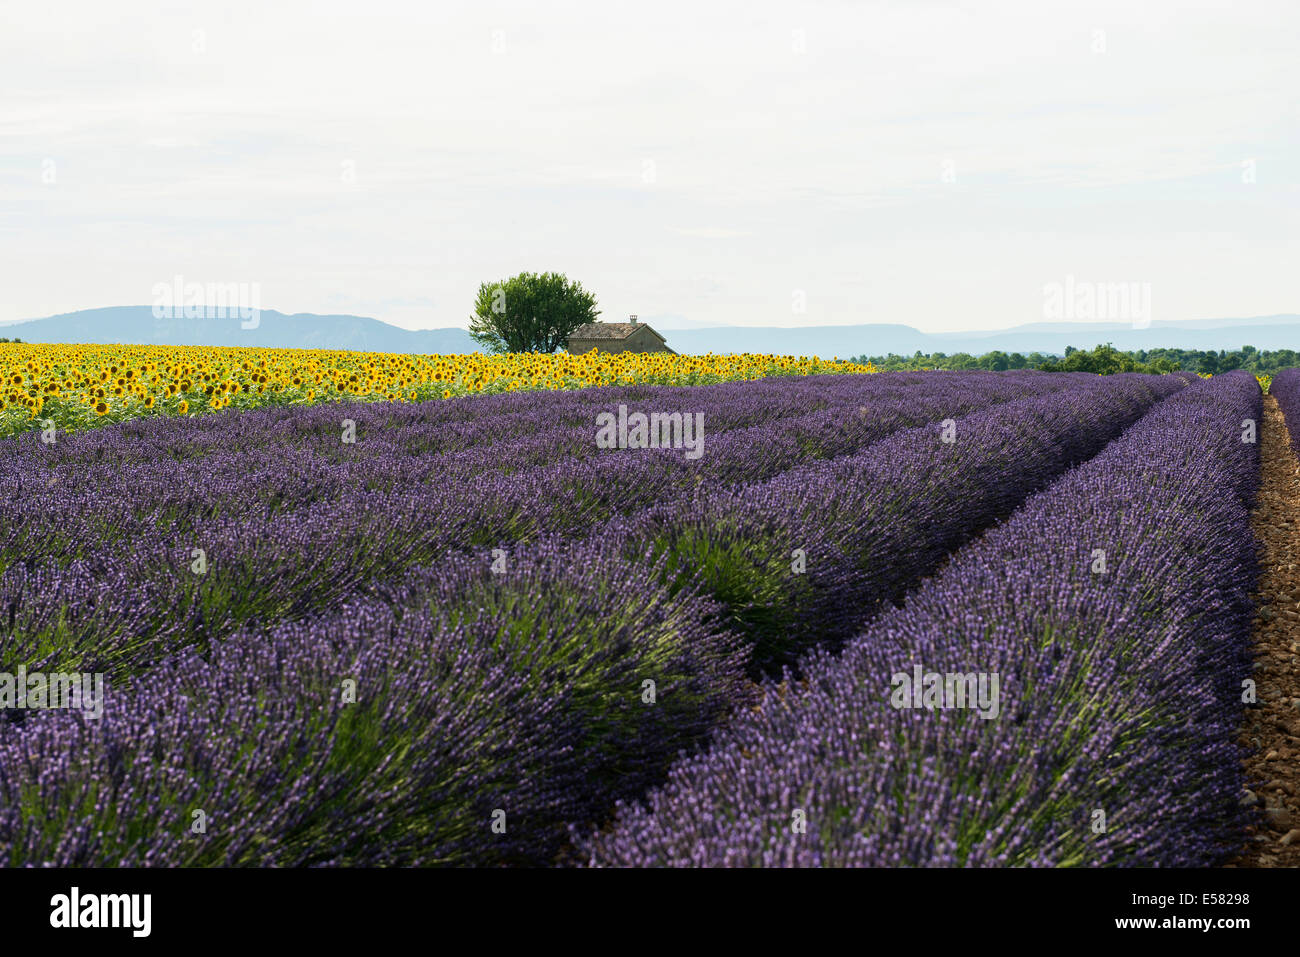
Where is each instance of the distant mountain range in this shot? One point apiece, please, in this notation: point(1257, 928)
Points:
point(137, 325)
point(1263, 332)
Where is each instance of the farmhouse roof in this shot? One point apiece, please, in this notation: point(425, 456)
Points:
point(611, 330)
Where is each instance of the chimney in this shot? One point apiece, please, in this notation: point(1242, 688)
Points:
point(632, 319)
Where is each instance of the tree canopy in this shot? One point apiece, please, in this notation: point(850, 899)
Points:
point(530, 312)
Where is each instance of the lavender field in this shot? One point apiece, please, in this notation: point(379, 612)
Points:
point(903, 619)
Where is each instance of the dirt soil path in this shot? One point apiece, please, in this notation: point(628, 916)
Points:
point(1271, 731)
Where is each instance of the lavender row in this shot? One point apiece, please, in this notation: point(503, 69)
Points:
point(1285, 387)
point(808, 556)
point(1114, 613)
point(532, 678)
point(314, 551)
point(243, 459)
point(518, 688)
point(441, 427)
point(129, 482)
point(463, 720)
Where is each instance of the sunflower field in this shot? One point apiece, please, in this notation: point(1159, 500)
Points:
point(77, 387)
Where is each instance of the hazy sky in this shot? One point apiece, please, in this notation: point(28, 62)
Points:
point(934, 164)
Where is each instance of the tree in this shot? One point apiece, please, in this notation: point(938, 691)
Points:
point(1103, 360)
point(995, 361)
point(530, 312)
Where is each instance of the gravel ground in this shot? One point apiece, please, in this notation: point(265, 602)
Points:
point(1271, 731)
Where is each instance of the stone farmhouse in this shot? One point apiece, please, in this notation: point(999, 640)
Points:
point(630, 336)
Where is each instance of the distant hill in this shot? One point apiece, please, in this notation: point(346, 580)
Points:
point(1268, 332)
point(137, 325)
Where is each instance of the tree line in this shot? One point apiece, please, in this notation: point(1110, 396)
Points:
point(1104, 359)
